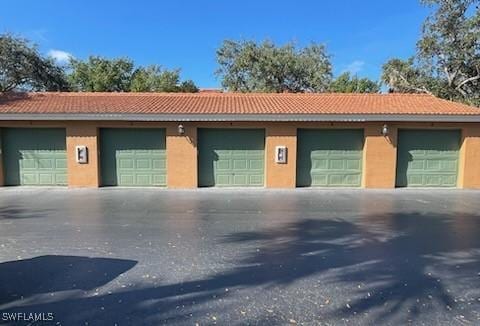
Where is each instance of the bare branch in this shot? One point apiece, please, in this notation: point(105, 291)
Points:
point(466, 81)
point(422, 89)
point(450, 76)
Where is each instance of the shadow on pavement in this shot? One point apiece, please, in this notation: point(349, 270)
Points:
point(390, 256)
point(15, 213)
point(22, 279)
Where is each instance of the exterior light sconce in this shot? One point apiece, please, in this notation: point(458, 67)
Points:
point(181, 130)
point(385, 130)
point(281, 154)
point(81, 154)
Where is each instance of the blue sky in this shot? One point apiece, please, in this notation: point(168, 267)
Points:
point(360, 35)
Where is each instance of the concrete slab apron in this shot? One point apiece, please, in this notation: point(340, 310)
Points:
point(148, 256)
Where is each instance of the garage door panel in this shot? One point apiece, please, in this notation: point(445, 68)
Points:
point(223, 179)
point(61, 163)
point(28, 163)
point(240, 164)
point(319, 153)
point(416, 180)
point(46, 179)
point(126, 163)
point(60, 179)
point(256, 180)
point(319, 163)
point(433, 165)
point(417, 165)
point(35, 156)
point(240, 180)
point(144, 179)
point(159, 179)
point(428, 158)
point(433, 180)
point(450, 180)
point(450, 166)
point(354, 180)
point(329, 157)
point(133, 157)
point(223, 165)
point(320, 180)
point(337, 180)
point(343, 180)
point(231, 157)
point(256, 164)
point(127, 180)
point(159, 164)
point(337, 164)
point(144, 164)
point(30, 179)
point(438, 165)
point(45, 163)
point(353, 164)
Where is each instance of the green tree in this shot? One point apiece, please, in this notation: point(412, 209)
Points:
point(155, 79)
point(345, 83)
point(23, 68)
point(447, 62)
point(99, 74)
point(188, 86)
point(247, 66)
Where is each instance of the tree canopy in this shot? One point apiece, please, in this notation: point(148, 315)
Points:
point(99, 74)
point(447, 62)
point(155, 79)
point(345, 83)
point(247, 66)
point(22, 67)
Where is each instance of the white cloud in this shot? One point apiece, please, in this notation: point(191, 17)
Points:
point(354, 67)
point(60, 56)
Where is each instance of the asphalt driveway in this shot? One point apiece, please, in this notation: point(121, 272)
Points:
point(149, 256)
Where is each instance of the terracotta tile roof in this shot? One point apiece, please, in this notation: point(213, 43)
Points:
point(230, 103)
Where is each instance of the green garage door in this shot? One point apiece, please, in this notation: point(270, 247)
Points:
point(133, 157)
point(231, 157)
point(329, 158)
point(34, 157)
point(427, 158)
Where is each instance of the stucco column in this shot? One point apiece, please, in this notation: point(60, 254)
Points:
point(85, 174)
point(379, 157)
point(469, 165)
point(182, 157)
point(281, 175)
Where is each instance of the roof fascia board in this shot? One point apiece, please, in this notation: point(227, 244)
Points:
point(242, 117)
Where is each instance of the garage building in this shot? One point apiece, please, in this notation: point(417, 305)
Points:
point(238, 140)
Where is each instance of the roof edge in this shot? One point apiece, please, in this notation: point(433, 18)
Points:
point(242, 117)
point(218, 94)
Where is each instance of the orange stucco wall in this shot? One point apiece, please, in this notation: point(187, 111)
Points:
point(379, 157)
point(469, 172)
point(280, 175)
point(83, 174)
point(182, 157)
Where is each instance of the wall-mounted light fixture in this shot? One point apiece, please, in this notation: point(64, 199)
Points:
point(81, 154)
point(281, 154)
point(181, 130)
point(385, 130)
